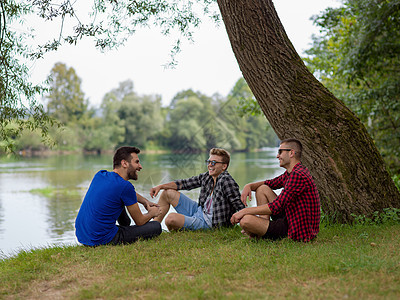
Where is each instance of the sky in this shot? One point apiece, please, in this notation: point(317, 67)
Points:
point(207, 65)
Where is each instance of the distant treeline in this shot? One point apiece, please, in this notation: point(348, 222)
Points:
point(192, 121)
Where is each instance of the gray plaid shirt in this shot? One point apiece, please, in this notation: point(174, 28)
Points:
point(226, 199)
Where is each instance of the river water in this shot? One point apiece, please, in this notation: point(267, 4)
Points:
point(31, 219)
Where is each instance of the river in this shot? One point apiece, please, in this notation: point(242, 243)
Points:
point(29, 218)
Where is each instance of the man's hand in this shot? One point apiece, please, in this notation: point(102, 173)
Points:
point(236, 217)
point(150, 204)
point(154, 211)
point(154, 191)
point(246, 193)
point(166, 186)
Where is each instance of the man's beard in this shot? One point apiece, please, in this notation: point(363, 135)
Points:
point(132, 174)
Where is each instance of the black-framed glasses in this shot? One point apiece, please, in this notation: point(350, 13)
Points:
point(213, 162)
point(281, 150)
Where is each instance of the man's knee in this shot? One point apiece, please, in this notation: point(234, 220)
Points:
point(265, 194)
point(246, 222)
point(263, 189)
point(173, 221)
point(170, 195)
point(253, 225)
point(155, 227)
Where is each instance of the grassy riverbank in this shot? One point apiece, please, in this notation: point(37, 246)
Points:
point(345, 262)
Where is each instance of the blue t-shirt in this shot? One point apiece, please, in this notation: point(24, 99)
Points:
point(105, 199)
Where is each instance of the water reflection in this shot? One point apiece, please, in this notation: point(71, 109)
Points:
point(31, 220)
point(62, 211)
point(1, 217)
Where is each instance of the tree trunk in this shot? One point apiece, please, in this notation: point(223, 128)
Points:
point(349, 172)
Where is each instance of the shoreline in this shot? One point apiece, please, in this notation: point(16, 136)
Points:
point(49, 153)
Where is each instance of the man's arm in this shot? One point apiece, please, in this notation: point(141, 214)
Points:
point(248, 188)
point(166, 186)
point(230, 189)
point(141, 219)
point(146, 203)
point(257, 210)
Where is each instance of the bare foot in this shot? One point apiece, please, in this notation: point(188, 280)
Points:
point(248, 235)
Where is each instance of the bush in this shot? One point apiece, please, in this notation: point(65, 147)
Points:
point(389, 215)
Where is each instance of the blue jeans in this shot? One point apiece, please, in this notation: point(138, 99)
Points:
point(193, 213)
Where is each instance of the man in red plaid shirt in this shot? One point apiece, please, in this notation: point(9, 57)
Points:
point(295, 213)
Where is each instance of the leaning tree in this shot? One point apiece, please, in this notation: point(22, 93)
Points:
point(348, 169)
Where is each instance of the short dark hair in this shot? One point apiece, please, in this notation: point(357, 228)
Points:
point(226, 157)
point(295, 145)
point(124, 153)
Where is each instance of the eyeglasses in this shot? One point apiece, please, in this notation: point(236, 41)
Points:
point(213, 162)
point(281, 150)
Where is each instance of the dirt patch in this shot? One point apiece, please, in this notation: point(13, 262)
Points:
point(65, 286)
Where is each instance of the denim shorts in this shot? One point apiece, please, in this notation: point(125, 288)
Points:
point(193, 212)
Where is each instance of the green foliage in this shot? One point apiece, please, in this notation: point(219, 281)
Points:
point(396, 179)
point(67, 104)
point(110, 23)
point(66, 101)
point(258, 131)
point(247, 103)
point(389, 215)
point(327, 220)
point(29, 140)
point(140, 116)
point(198, 122)
point(98, 135)
point(189, 118)
point(357, 58)
point(19, 108)
point(193, 121)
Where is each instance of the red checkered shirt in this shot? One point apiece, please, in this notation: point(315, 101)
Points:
point(299, 200)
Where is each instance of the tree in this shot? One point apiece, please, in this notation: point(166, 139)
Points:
point(138, 117)
point(66, 103)
point(66, 100)
point(245, 99)
point(187, 121)
point(98, 135)
point(357, 58)
point(258, 131)
point(112, 126)
point(19, 108)
point(198, 122)
point(349, 171)
point(142, 118)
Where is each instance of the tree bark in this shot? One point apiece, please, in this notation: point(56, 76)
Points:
point(349, 172)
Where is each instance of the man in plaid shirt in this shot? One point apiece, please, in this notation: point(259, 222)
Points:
point(295, 213)
point(219, 197)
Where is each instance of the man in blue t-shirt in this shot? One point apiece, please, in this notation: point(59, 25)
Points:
point(105, 202)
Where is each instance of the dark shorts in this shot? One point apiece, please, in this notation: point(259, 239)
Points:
point(277, 229)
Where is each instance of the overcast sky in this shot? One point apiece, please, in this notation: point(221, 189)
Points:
point(208, 65)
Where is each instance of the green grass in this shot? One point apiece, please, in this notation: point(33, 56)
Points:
point(51, 192)
point(353, 262)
